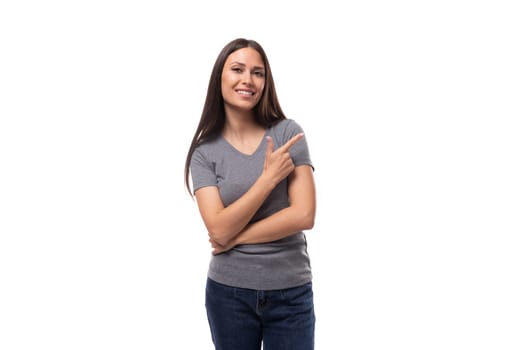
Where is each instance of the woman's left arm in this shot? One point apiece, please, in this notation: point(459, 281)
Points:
point(299, 216)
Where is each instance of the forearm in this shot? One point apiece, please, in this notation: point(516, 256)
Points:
point(231, 220)
point(282, 224)
point(299, 216)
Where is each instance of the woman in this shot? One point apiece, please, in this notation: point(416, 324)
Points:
point(252, 178)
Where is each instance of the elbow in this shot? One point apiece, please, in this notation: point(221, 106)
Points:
point(309, 223)
point(304, 217)
point(220, 236)
point(308, 220)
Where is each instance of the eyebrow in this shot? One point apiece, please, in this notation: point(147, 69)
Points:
point(242, 64)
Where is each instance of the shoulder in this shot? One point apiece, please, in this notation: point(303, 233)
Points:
point(208, 145)
point(286, 124)
point(285, 130)
point(206, 149)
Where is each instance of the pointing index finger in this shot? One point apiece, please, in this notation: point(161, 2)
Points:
point(292, 141)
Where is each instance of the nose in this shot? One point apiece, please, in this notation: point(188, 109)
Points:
point(247, 78)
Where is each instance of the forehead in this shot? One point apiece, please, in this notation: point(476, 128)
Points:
point(247, 56)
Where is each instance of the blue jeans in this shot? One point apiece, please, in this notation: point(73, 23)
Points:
point(240, 319)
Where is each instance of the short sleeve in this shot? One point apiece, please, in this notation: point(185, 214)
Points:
point(299, 151)
point(202, 170)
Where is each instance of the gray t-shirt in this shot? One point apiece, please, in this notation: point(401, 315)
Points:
point(275, 265)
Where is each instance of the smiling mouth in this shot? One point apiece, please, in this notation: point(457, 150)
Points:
point(245, 93)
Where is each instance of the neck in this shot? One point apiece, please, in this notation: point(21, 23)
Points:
point(239, 121)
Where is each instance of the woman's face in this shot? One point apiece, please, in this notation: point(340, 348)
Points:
point(243, 78)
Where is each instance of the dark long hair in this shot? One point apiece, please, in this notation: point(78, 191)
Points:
point(267, 111)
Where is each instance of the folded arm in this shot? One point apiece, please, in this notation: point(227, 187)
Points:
point(299, 216)
point(225, 223)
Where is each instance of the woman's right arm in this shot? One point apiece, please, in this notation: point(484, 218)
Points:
point(225, 223)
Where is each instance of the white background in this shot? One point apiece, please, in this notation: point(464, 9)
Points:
point(413, 111)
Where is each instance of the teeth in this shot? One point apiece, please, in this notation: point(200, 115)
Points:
point(244, 92)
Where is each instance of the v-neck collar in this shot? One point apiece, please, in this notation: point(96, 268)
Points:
point(234, 149)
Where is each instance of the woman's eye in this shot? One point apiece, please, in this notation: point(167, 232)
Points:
point(259, 74)
point(237, 70)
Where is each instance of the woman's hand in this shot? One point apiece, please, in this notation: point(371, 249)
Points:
point(278, 164)
point(219, 248)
